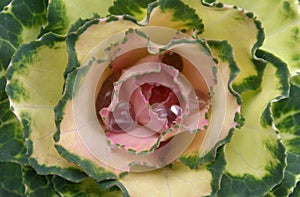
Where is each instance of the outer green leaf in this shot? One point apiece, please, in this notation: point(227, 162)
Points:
point(12, 147)
point(135, 8)
point(282, 27)
point(282, 14)
point(4, 3)
point(243, 32)
point(14, 30)
point(37, 185)
point(255, 156)
point(11, 182)
point(20, 22)
point(113, 185)
point(174, 14)
point(286, 113)
point(87, 187)
point(34, 87)
point(296, 191)
point(87, 162)
point(63, 13)
point(170, 13)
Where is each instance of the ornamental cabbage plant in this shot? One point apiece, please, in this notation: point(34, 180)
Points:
point(149, 98)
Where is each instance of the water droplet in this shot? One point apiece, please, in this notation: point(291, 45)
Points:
point(122, 118)
point(176, 110)
point(160, 110)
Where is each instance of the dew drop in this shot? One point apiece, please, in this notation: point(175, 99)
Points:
point(173, 112)
point(176, 110)
point(160, 110)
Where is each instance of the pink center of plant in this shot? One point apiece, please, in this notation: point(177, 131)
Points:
point(144, 105)
point(162, 101)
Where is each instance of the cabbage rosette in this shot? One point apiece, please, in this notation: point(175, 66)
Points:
point(154, 98)
point(149, 98)
point(142, 103)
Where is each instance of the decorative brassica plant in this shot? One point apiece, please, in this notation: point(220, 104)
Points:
point(149, 98)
